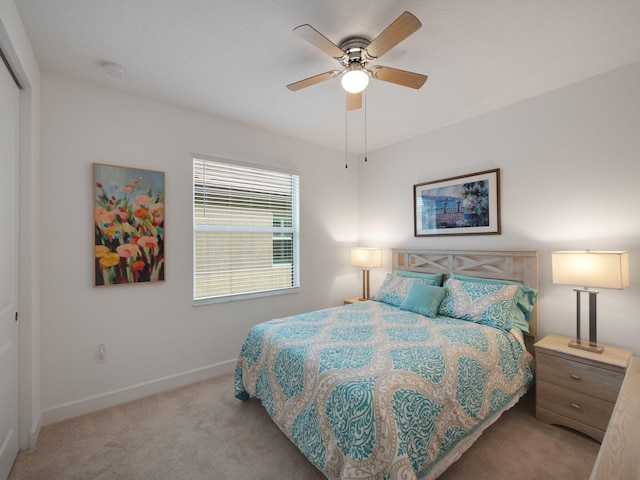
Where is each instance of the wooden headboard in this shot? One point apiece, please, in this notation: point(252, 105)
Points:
point(518, 266)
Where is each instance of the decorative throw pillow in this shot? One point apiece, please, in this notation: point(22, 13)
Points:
point(424, 299)
point(485, 303)
point(394, 289)
point(525, 299)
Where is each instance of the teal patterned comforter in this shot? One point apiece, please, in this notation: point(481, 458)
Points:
point(369, 391)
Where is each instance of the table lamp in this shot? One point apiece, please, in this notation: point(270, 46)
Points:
point(366, 258)
point(590, 270)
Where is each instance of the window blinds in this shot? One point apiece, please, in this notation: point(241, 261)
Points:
point(246, 230)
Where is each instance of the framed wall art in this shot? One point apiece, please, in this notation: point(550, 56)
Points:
point(464, 205)
point(129, 225)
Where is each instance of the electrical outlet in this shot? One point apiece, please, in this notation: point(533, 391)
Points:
point(102, 353)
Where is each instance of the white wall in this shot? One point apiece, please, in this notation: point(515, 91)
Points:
point(154, 337)
point(570, 177)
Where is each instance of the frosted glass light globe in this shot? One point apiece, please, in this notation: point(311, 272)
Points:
point(355, 80)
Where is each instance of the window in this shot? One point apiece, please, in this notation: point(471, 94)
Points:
point(246, 230)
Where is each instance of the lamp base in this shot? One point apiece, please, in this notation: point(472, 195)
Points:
point(595, 348)
point(365, 284)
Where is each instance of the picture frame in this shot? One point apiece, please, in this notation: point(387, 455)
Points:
point(129, 225)
point(464, 205)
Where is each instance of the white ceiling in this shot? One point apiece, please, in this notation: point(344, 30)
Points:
point(232, 59)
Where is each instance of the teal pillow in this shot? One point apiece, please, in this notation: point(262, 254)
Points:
point(436, 277)
point(394, 289)
point(424, 299)
point(486, 303)
point(525, 299)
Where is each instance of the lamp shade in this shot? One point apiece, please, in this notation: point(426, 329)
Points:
point(591, 269)
point(366, 257)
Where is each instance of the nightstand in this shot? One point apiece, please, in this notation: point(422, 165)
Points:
point(577, 388)
point(347, 301)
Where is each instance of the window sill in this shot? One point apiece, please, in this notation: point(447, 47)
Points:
point(244, 296)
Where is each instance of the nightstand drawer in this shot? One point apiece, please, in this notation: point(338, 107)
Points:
point(583, 408)
point(597, 382)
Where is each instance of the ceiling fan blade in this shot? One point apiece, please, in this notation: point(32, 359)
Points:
point(399, 77)
point(307, 82)
point(354, 101)
point(400, 28)
point(318, 40)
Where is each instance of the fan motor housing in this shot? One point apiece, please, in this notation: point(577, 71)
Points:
point(354, 47)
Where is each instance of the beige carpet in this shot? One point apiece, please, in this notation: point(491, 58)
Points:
point(202, 432)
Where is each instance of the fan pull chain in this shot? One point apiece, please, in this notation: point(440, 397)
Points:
point(346, 137)
point(365, 125)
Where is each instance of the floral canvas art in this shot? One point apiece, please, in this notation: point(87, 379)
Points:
point(129, 225)
point(468, 204)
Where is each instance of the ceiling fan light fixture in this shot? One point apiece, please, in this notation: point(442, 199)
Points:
point(356, 52)
point(355, 79)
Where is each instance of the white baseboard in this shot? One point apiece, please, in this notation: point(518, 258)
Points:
point(96, 402)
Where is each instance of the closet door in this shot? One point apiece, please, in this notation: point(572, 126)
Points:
point(8, 270)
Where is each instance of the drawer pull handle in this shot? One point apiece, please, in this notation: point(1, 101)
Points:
point(576, 406)
point(575, 377)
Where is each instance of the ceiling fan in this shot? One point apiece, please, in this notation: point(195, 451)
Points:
point(355, 52)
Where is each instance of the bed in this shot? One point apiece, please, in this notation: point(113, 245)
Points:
point(398, 387)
